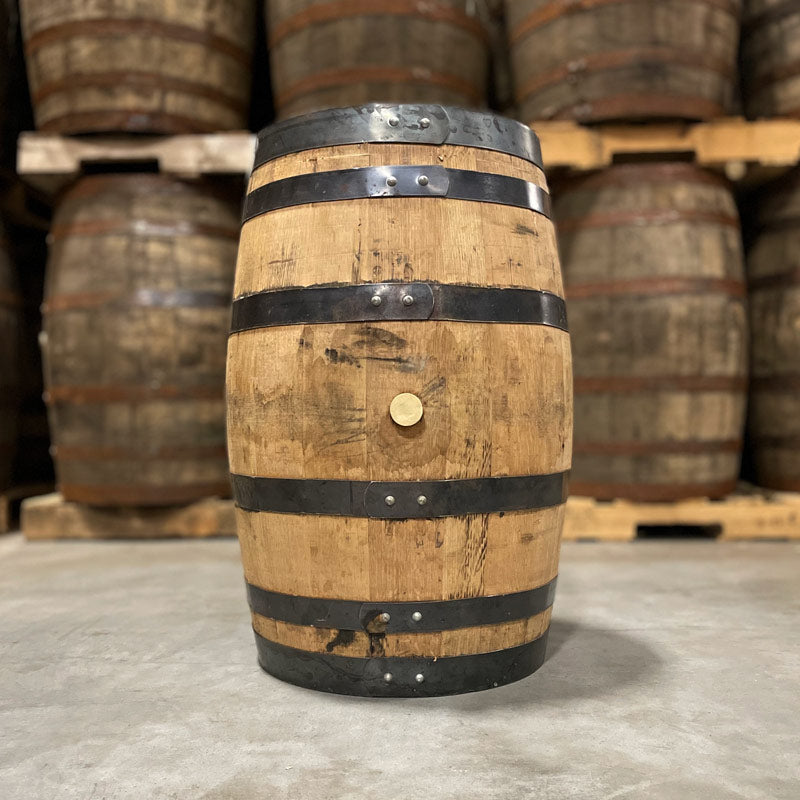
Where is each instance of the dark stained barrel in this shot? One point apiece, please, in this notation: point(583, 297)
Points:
point(771, 58)
point(10, 304)
point(774, 274)
point(136, 312)
point(654, 279)
point(596, 60)
point(399, 401)
point(330, 53)
point(139, 65)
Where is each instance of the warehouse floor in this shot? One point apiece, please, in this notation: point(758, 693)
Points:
point(128, 671)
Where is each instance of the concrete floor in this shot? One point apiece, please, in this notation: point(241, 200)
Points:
point(129, 671)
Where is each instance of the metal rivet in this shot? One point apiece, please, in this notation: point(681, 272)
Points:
point(391, 181)
point(416, 616)
point(376, 300)
point(394, 121)
point(388, 677)
point(421, 500)
point(389, 500)
point(422, 180)
point(424, 123)
point(385, 617)
point(408, 300)
point(419, 677)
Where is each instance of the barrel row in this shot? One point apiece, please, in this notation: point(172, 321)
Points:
point(180, 68)
point(400, 478)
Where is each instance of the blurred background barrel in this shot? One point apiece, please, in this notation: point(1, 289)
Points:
point(139, 65)
point(654, 280)
point(774, 276)
point(332, 53)
point(136, 316)
point(595, 60)
point(10, 304)
point(771, 58)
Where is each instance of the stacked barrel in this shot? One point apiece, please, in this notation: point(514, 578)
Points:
point(140, 267)
point(652, 254)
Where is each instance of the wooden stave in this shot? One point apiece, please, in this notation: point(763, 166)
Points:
point(75, 91)
point(402, 73)
point(623, 82)
point(703, 460)
point(773, 263)
point(260, 533)
point(771, 59)
point(155, 445)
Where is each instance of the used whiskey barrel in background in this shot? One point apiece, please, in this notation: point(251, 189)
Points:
point(139, 65)
point(595, 60)
point(10, 304)
point(399, 401)
point(771, 58)
point(774, 275)
point(136, 314)
point(329, 53)
point(655, 285)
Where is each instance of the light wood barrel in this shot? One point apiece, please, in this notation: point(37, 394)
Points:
point(655, 285)
point(774, 275)
point(136, 311)
point(330, 53)
point(139, 65)
point(771, 58)
point(399, 401)
point(596, 60)
point(10, 305)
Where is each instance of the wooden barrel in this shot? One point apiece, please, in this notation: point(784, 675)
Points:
point(774, 275)
point(595, 60)
point(136, 311)
point(330, 53)
point(771, 58)
point(10, 304)
point(399, 401)
point(655, 284)
point(139, 65)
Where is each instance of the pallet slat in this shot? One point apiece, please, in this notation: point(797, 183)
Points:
point(753, 515)
point(51, 517)
point(48, 162)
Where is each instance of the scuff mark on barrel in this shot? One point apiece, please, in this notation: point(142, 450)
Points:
point(342, 639)
point(524, 230)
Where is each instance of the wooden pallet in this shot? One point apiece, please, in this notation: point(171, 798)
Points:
point(52, 517)
point(49, 162)
point(758, 150)
point(11, 500)
point(751, 514)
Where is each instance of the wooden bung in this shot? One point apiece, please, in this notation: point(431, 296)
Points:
point(773, 266)
point(399, 401)
point(597, 60)
point(136, 312)
point(139, 65)
point(329, 53)
point(655, 284)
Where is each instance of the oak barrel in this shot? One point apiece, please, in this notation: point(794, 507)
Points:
point(771, 58)
point(774, 276)
point(139, 65)
point(654, 278)
point(330, 53)
point(10, 305)
point(399, 401)
point(596, 60)
point(136, 311)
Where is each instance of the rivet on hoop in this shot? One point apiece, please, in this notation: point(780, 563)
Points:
point(422, 180)
point(389, 500)
point(394, 121)
point(391, 181)
point(376, 300)
point(424, 123)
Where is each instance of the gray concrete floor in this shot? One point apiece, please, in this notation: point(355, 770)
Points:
point(129, 671)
